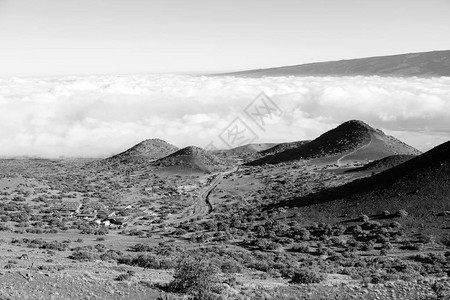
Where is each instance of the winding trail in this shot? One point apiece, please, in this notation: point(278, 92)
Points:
point(354, 151)
point(202, 205)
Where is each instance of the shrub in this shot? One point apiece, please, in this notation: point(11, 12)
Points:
point(411, 246)
point(100, 247)
point(301, 248)
point(446, 241)
point(125, 276)
point(401, 213)
point(367, 246)
point(148, 261)
point(395, 225)
point(231, 266)
point(387, 246)
point(305, 276)
point(82, 256)
point(141, 248)
point(195, 276)
point(364, 218)
point(440, 290)
point(110, 255)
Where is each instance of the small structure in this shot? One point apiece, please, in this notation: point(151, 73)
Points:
point(109, 222)
point(86, 215)
point(69, 208)
point(93, 206)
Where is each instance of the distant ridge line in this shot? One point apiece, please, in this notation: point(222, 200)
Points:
point(421, 64)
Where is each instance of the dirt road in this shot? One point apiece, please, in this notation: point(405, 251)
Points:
point(354, 151)
point(202, 205)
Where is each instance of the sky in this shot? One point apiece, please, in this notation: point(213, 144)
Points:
point(84, 37)
point(91, 78)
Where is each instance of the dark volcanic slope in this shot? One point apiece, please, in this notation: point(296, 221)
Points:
point(421, 186)
point(351, 141)
point(247, 152)
point(282, 147)
point(147, 150)
point(252, 148)
point(384, 163)
point(190, 159)
point(427, 64)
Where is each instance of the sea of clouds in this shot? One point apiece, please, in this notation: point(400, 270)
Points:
point(96, 116)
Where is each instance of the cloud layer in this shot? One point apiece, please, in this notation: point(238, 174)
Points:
point(98, 116)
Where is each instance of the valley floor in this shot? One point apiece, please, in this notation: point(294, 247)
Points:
point(77, 230)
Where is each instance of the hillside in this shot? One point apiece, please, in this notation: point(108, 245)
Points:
point(189, 159)
point(421, 186)
point(147, 150)
point(424, 64)
point(282, 147)
point(247, 153)
point(252, 148)
point(384, 163)
point(351, 141)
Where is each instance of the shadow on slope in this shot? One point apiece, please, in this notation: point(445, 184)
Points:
point(420, 185)
point(189, 159)
point(282, 147)
point(383, 164)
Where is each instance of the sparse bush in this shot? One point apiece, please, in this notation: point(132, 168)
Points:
point(445, 241)
point(387, 246)
point(305, 276)
point(141, 248)
point(364, 218)
point(401, 213)
point(195, 276)
point(125, 276)
point(231, 266)
point(111, 255)
point(100, 247)
point(301, 248)
point(440, 290)
point(367, 246)
point(411, 246)
point(83, 256)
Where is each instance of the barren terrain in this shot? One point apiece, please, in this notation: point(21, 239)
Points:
point(302, 229)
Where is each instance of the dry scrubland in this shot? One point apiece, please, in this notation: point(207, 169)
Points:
point(134, 227)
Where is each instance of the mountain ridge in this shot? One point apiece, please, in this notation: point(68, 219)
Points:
point(149, 149)
point(352, 140)
point(421, 64)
